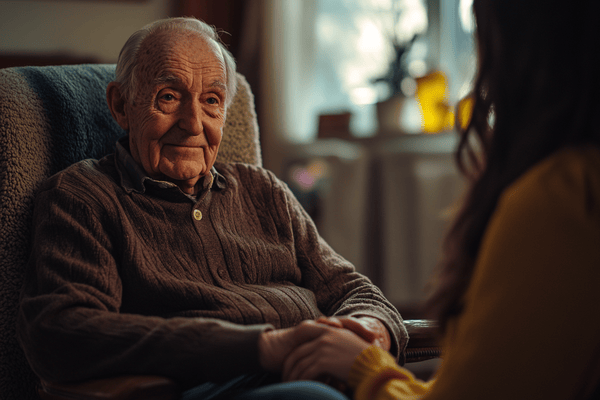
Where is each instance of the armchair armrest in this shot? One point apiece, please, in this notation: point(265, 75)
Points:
point(137, 387)
point(422, 342)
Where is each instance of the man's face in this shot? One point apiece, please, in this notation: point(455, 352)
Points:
point(177, 116)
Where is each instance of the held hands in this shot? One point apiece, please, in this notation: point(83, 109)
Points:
point(314, 350)
point(330, 355)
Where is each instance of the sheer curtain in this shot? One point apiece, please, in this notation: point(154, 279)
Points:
point(278, 46)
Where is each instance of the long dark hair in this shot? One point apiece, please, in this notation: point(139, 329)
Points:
point(536, 91)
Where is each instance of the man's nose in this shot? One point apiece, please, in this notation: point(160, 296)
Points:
point(190, 119)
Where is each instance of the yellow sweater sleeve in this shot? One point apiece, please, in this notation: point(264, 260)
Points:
point(375, 375)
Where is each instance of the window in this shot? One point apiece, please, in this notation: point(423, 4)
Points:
point(350, 48)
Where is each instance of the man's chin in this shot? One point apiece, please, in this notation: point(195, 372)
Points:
point(184, 174)
point(180, 178)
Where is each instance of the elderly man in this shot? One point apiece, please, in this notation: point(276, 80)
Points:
point(157, 260)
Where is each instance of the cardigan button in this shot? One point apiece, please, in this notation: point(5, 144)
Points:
point(197, 215)
point(222, 273)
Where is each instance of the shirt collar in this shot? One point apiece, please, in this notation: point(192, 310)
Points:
point(135, 179)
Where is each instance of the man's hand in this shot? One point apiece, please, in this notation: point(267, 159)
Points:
point(275, 345)
point(368, 328)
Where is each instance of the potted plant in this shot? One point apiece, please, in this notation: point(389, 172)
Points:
point(389, 110)
point(397, 70)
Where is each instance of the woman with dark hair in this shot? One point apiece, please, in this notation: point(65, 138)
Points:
point(518, 292)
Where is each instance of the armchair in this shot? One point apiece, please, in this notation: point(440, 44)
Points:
point(51, 117)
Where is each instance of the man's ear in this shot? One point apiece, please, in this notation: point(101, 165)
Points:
point(116, 104)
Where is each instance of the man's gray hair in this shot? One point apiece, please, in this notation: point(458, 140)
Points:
point(128, 57)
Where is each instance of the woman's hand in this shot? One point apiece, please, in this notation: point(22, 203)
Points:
point(330, 354)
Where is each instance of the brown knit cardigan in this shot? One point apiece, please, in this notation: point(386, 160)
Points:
point(130, 280)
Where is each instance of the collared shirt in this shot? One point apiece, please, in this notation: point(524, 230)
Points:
point(135, 178)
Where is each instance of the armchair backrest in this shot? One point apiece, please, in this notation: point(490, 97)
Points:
point(50, 118)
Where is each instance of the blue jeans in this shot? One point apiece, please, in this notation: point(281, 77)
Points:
point(257, 387)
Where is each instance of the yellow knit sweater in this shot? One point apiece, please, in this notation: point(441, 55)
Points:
point(530, 326)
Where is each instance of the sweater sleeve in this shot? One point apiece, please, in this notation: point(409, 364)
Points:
point(375, 375)
point(70, 324)
point(528, 328)
point(339, 289)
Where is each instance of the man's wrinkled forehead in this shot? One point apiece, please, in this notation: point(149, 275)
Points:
point(158, 52)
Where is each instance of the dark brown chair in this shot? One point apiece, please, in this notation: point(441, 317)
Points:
point(422, 343)
point(50, 118)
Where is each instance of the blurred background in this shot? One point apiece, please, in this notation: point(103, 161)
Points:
point(355, 99)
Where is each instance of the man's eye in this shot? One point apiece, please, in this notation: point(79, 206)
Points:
point(167, 97)
point(212, 100)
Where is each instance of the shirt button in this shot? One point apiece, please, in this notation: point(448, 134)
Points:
point(197, 215)
point(222, 273)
